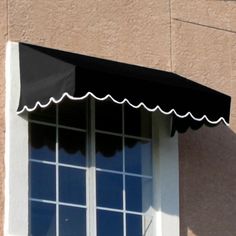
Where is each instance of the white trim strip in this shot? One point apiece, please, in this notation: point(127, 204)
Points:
point(124, 173)
point(141, 104)
point(16, 205)
point(57, 203)
point(121, 211)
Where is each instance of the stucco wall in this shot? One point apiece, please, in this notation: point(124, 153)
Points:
point(204, 49)
point(204, 44)
point(132, 31)
point(208, 182)
point(194, 38)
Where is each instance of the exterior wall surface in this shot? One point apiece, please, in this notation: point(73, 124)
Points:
point(196, 39)
point(3, 38)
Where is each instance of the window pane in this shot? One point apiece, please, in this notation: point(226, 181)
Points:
point(109, 190)
point(109, 152)
point(138, 156)
point(73, 113)
point(108, 116)
point(138, 193)
point(133, 225)
point(109, 223)
point(72, 147)
point(72, 221)
point(42, 142)
point(47, 114)
point(138, 122)
point(72, 185)
point(43, 181)
point(43, 219)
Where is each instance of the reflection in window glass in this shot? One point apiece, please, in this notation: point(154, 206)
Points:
point(47, 114)
point(72, 147)
point(137, 122)
point(133, 225)
point(43, 181)
point(138, 193)
point(43, 219)
point(138, 156)
point(72, 221)
point(109, 152)
point(73, 113)
point(42, 142)
point(72, 185)
point(108, 116)
point(109, 190)
point(109, 223)
point(123, 164)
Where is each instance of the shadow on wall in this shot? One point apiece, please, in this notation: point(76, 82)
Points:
point(208, 182)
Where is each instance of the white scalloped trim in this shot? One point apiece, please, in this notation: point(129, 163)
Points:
point(120, 102)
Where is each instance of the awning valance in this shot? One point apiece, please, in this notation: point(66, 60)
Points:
point(48, 75)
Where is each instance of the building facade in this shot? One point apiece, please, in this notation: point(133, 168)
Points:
point(196, 39)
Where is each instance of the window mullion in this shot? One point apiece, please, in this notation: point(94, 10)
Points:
point(57, 172)
point(91, 173)
point(123, 152)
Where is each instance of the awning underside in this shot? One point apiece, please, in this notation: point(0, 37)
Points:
point(49, 75)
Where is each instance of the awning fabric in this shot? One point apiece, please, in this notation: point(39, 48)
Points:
point(48, 75)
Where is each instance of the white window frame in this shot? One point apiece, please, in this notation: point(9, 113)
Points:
point(16, 217)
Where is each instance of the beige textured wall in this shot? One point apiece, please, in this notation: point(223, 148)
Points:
point(194, 38)
point(124, 30)
point(204, 44)
point(204, 49)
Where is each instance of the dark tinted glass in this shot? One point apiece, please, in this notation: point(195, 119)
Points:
point(43, 181)
point(42, 142)
point(72, 221)
point(133, 225)
point(138, 122)
point(73, 113)
point(108, 116)
point(138, 193)
point(72, 185)
point(138, 158)
point(47, 114)
point(109, 190)
point(109, 152)
point(43, 219)
point(109, 223)
point(72, 147)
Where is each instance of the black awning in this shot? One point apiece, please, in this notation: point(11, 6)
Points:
point(48, 75)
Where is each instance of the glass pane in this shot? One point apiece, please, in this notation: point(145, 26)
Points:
point(43, 219)
point(72, 221)
point(138, 122)
point(73, 113)
point(42, 142)
point(133, 225)
point(138, 193)
point(109, 152)
point(138, 156)
point(108, 116)
point(47, 114)
point(42, 181)
point(109, 223)
point(72, 188)
point(109, 190)
point(72, 147)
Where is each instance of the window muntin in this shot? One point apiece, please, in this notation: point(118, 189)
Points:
point(123, 171)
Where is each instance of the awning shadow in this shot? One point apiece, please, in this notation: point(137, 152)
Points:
point(208, 182)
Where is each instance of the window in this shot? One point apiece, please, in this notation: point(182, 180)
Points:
point(90, 161)
point(56, 205)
